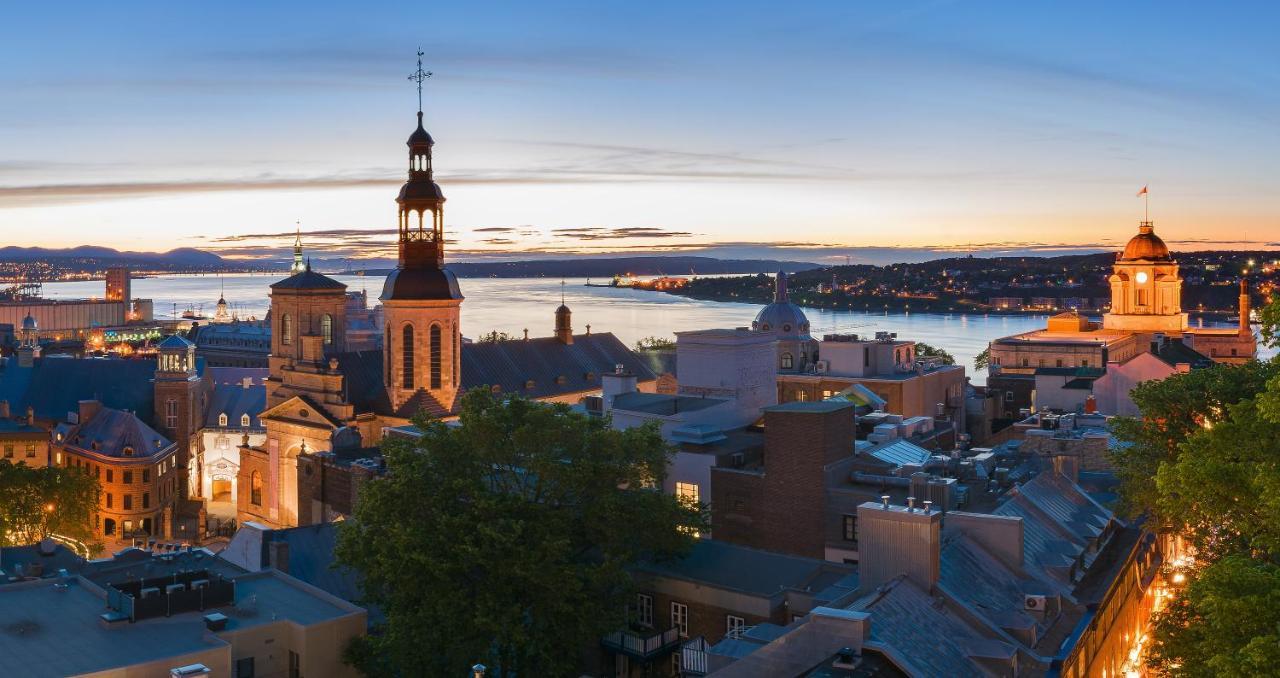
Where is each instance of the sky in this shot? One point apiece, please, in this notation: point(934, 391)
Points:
point(809, 131)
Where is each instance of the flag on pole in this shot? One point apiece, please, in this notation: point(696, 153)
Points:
point(1142, 192)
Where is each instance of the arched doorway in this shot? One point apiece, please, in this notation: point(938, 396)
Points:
point(108, 527)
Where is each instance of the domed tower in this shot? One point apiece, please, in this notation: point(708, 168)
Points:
point(797, 350)
point(1146, 291)
point(564, 324)
point(28, 342)
point(421, 299)
point(177, 404)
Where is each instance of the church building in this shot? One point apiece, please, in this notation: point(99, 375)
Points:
point(328, 404)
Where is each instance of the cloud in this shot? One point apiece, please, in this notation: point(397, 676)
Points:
point(602, 233)
point(493, 229)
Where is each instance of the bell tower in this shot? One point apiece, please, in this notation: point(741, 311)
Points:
point(421, 299)
point(1146, 290)
point(179, 405)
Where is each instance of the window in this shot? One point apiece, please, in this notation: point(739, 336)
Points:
point(688, 493)
point(146, 475)
point(1084, 363)
point(801, 396)
point(733, 625)
point(680, 618)
point(146, 500)
point(222, 419)
point(435, 356)
point(31, 450)
point(786, 361)
point(1025, 362)
point(109, 500)
point(295, 665)
point(1059, 362)
point(850, 528)
point(286, 330)
point(406, 380)
point(255, 489)
point(326, 328)
point(128, 502)
point(675, 663)
point(644, 610)
point(244, 420)
point(244, 667)
point(1008, 396)
point(221, 442)
point(171, 414)
point(8, 451)
point(386, 348)
point(128, 477)
point(110, 473)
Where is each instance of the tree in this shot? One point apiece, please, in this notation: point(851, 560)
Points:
point(36, 502)
point(1271, 322)
point(506, 540)
point(932, 352)
point(1227, 623)
point(982, 360)
point(494, 337)
point(1173, 409)
point(655, 344)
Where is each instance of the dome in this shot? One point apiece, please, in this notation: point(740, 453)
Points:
point(28, 323)
point(420, 189)
point(420, 136)
point(782, 317)
point(1146, 245)
point(562, 310)
point(406, 284)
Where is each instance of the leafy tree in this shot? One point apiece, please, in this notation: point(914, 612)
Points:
point(933, 352)
point(494, 337)
point(982, 360)
point(506, 540)
point(1271, 322)
point(1173, 409)
point(36, 502)
point(655, 344)
point(1227, 622)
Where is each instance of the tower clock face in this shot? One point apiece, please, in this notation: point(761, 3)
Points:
point(1142, 277)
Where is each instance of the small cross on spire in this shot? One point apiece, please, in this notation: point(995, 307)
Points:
point(418, 76)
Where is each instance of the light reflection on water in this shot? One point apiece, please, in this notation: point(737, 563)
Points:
point(513, 304)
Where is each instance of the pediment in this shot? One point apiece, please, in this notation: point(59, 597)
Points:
point(300, 410)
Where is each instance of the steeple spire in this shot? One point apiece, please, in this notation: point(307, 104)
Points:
point(418, 76)
point(297, 249)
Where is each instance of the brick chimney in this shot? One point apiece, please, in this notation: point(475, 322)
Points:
point(897, 540)
point(88, 408)
point(800, 440)
point(4, 409)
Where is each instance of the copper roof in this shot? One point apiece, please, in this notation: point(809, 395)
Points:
point(1146, 245)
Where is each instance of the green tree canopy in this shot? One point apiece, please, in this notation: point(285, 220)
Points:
point(506, 540)
point(982, 360)
point(493, 337)
point(1226, 623)
point(656, 344)
point(928, 351)
point(36, 502)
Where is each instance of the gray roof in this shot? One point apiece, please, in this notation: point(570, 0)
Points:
point(235, 400)
point(174, 341)
point(983, 582)
point(933, 639)
point(662, 404)
point(115, 430)
point(764, 573)
point(236, 375)
point(900, 453)
point(55, 386)
point(308, 279)
point(1059, 522)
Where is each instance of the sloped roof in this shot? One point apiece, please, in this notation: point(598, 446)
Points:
point(308, 279)
point(739, 568)
point(113, 431)
point(1174, 352)
point(175, 341)
point(1059, 521)
point(934, 640)
point(55, 386)
point(235, 400)
point(971, 574)
point(900, 453)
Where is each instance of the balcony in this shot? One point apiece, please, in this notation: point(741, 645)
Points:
point(642, 647)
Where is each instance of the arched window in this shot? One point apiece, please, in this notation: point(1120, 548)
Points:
point(787, 361)
point(326, 328)
point(454, 362)
point(222, 419)
point(407, 351)
point(386, 349)
point(255, 488)
point(244, 420)
point(435, 356)
point(804, 359)
point(286, 330)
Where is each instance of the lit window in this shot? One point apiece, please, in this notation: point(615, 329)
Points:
point(850, 528)
point(255, 489)
point(688, 493)
point(222, 419)
point(286, 329)
point(680, 618)
point(644, 610)
point(171, 414)
point(326, 328)
point(244, 420)
point(786, 361)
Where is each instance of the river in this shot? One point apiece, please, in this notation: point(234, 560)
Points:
point(513, 304)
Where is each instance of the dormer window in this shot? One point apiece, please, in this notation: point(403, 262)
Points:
point(528, 385)
point(244, 420)
point(222, 419)
point(128, 450)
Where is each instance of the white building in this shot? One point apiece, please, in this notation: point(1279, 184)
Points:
point(236, 396)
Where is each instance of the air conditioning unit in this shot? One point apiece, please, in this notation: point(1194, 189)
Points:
point(738, 459)
point(1033, 603)
point(820, 367)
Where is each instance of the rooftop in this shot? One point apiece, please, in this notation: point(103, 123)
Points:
point(739, 568)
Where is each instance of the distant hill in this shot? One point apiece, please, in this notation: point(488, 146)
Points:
point(182, 258)
point(603, 267)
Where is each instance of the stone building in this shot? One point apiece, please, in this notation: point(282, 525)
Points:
point(787, 324)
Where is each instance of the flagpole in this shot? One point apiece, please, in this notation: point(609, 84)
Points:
point(1146, 204)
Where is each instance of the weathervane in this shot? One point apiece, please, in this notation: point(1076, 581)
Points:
point(418, 76)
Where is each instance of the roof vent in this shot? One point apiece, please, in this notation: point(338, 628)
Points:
point(846, 658)
point(189, 670)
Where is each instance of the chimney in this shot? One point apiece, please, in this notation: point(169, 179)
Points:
point(278, 555)
point(247, 382)
point(616, 383)
point(1091, 404)
point(4, 409)
point(1245, 329)
point(88, 408)
point(897, 540)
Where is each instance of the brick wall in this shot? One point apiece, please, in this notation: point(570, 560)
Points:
point(737, 504)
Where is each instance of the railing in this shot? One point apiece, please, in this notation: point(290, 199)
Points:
point(693, 657)
point(641, 647)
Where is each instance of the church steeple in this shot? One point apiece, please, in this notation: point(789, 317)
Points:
point(297, 250)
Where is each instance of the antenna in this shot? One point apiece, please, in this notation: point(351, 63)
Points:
point(562, 291)
point(418, 76)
